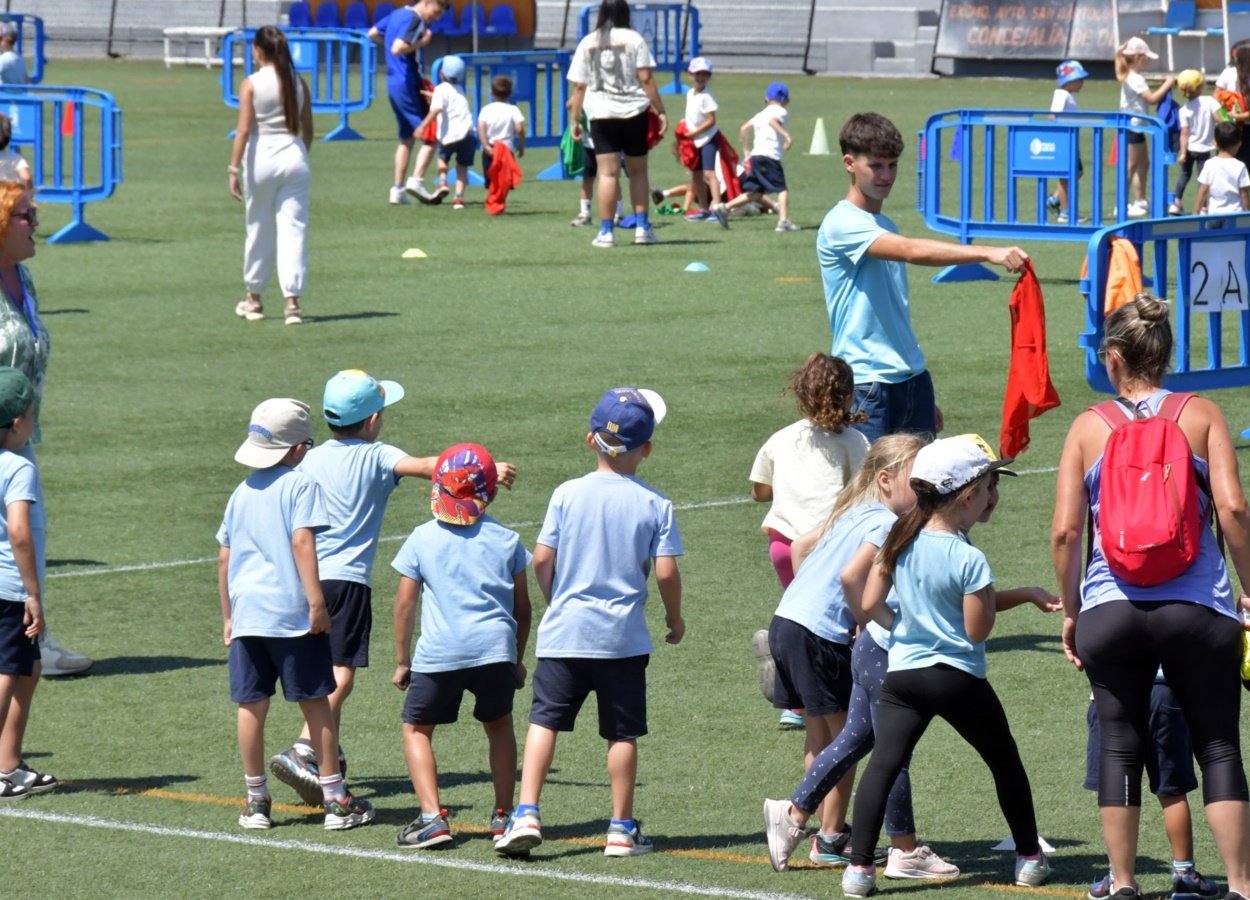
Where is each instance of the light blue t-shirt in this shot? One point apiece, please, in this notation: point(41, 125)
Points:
point(19, 480)
point(814, 598)
point(867, 298)
point(605, 529)
point(267, 598)
point(466, 604)
point(356, 479)
point(931, 577)
point(12, 68)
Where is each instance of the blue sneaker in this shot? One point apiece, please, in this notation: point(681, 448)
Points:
point(1052, 203)
point(419, 834)
point(790, 719)
point(832, 854)
point(524, 833)
point(1100, 889)
point(298, 770)
point(1190, 885)
point(499, 820)
point(859, 882)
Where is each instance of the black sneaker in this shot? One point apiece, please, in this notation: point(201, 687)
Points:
point(35, 782)
point(299, 772)
point(256, 814)
point(1191, 885)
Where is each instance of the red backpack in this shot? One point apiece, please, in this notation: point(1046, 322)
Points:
point(1149, 520)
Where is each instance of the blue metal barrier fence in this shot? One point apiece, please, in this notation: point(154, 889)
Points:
point(324, 54)
point(672, 29)
point(30, 37)
point(75, 136)
point(1210, 259)
point(1005, 160)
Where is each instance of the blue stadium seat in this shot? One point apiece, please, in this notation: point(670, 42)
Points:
point(502, 22)
point(445, 24)
point(328, 15)
point(381, 11)
point(467, 15)
point(1180, 19)
point(356, 16)
point(300, 15)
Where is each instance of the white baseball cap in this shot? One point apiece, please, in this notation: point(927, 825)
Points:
point(276, 426)
point(699, 64)
point(1135, 46)
point(952, 463)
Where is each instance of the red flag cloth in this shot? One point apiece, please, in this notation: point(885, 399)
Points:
point(653, 128)
point(1029, 391)
point(503, 175)
point(727, 159)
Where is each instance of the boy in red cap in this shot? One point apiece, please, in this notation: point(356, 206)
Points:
point(475, 623)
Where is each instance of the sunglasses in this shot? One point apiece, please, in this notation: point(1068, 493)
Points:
point(30, 217)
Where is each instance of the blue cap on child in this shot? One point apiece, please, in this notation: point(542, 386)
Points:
point(352, 396)
point(1069, 71)
point(625, 418)
point(452, 68)
point(777, 91)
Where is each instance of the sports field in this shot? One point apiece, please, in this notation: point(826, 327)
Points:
point(506, 334)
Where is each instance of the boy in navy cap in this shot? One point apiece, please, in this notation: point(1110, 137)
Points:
point(764, 173)
point(602, 534)
point(475, 623)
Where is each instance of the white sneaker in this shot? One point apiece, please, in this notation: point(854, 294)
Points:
point(58, 661)
point(523, 835)
point(919, 863)
point(783, 835)
point(1175, 210)
point(399, 198)
point(1032, 872)
point(786, 225)
point(1138, 212)
point(645, 236)
point(721, 212)
point(581, 221)
point(858, 881)
point(604, 239)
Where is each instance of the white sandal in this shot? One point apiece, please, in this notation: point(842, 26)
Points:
point(293, 314)
point(249, 309)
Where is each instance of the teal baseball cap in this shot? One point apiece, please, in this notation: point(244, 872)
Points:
point(353, 395)
point(16, 394)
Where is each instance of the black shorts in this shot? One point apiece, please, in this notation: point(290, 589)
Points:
point(350, 605)
point(462, 150)
point(590, 169)
point(303, 664)
point(1136, 137)
point(765, 176)
point(628, 136)
point(813, 674)
point(18, 653)
point(1170, 756)
point(620, 685)
point(433, 698)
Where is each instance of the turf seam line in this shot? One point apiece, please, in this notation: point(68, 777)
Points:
point(412, 857)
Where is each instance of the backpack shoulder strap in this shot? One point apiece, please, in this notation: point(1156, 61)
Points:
point(1112, 413)
point(1171, 405)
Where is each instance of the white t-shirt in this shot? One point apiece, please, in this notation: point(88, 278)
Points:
point(1131, 90)
point(698, 108)
point(11, 165)
point(456, 119)
point(610, 72)
point(807, 467)
point(1224, 177)
point(1228, 79)
point(501, 121)
point(1198, 115)
point(1062, 101)
point(766, 141)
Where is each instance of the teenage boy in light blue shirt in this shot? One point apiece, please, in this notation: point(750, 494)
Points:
point(275, 619)
point(468, 574)
point(602, 534)
point(862, 257)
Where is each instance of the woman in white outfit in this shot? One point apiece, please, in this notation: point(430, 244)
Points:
point(275, 129)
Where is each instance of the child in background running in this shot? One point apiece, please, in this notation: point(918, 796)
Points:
point(946, 610)
point(1071, 78)
point(1197, 141)
point(812, 629)
point(1131, 59)
point(450, 108)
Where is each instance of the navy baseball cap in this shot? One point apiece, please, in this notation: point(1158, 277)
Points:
point(629, 416)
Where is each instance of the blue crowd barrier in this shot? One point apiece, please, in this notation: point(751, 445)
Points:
point(663, 25)
point(325, 55)
point(997, 152)
point(75, 138)
point(1210, 259)
point(30, 43)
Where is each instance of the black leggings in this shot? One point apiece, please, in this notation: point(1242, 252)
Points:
point(1187, 170)
point(909, 701)
point(1122, 644)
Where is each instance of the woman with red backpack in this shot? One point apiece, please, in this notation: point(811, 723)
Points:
point(1128, 612)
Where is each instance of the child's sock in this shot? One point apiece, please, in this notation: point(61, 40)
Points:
point(1181, 866)
point(642, 220)
point(605, 226)
point(526, 809)
point(257, 787)
point(332, 787)
point(619, 209)
point(627, 824)
point(584, 206)
point(427, 818)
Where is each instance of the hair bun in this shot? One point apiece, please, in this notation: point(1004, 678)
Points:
point(1150, 308)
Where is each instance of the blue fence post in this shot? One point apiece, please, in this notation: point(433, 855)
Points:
point(324, 55)
point(662, 25)
point(78, 167)
point(30, 37)
point(1001, 151)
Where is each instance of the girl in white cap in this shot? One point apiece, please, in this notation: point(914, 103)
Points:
point(1131, 59)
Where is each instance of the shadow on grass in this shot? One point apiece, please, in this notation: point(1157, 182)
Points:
point(124, 785)
point(57, 563)
point(347, 317)
point(402, 787)
point(148, 665)
point(1024, 642)
point(68, 311)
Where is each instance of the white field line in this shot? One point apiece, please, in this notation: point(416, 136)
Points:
point(204, 560)
point(414, 858)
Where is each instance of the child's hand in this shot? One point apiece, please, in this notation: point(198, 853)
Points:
point(1043, 599)
point(507, 474)
point(402, 676)
point(32, 618)
point(676, 630)
point(520, 675)
point(1180, 158)
point(225, 633)
point(785, 145)
point(318, 619)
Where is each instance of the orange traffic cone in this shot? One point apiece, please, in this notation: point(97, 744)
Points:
point(67, 120)
point(1114, 158)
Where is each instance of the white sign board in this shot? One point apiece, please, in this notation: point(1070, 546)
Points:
point(644, 21)
point(1217, 276)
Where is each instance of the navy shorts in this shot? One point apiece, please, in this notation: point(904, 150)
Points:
point(620, 685)
point(409, 111)
point(707, 156)
point(764, 176)
point(433, 698)
point(1135, 137)
point(1169, 758)
point(303, 664)
point(462, 150)
point(906, 406)
point(813, 674)
point(350, 605)
point(18, 653)
point(628, 136)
